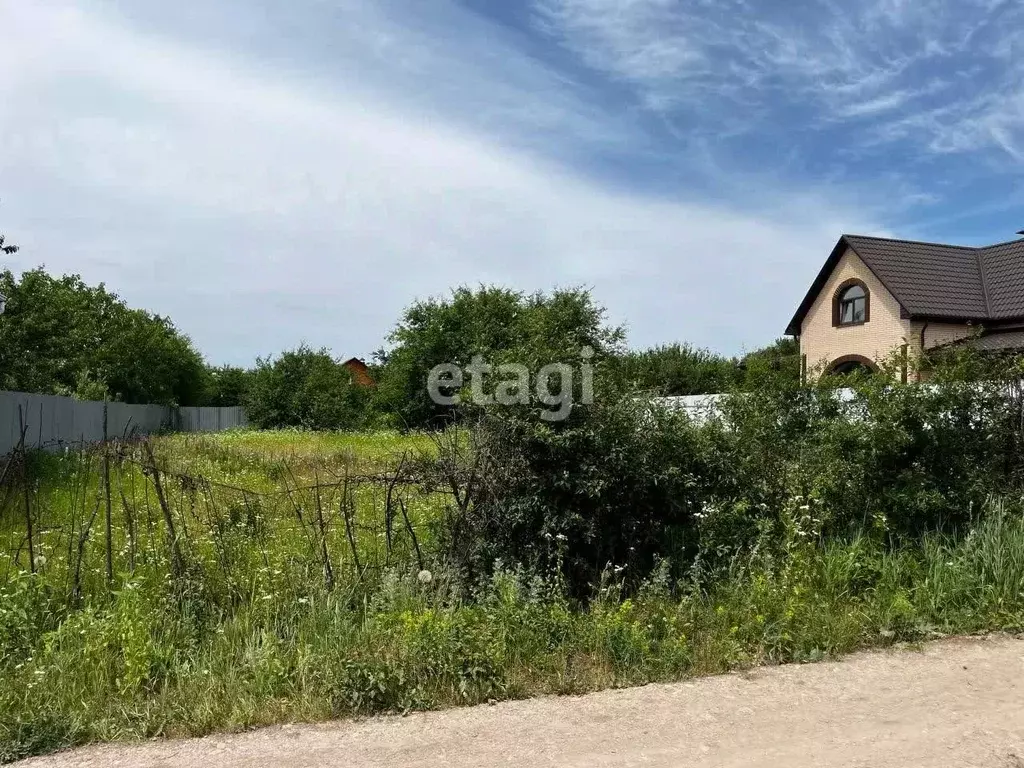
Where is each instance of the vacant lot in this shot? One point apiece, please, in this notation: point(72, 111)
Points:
point(250, 579)
point(959, 703)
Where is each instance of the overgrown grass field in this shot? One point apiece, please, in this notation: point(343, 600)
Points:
point(252, 578)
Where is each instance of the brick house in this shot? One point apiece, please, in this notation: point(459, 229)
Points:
point(360, 373)
point(876, 296)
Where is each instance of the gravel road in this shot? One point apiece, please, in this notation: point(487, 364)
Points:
point(956, 703)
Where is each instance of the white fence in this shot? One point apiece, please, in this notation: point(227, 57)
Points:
point(701, 408)
point(52, 421)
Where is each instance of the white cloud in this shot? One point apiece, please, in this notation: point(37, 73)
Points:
point(259, 209)
point(947, 65)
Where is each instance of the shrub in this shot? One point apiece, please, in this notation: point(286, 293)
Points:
point(305, 388)
point(613, 485)
point(621, 482)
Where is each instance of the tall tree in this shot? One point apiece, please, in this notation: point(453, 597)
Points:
point(61, 336)
point(500, 325)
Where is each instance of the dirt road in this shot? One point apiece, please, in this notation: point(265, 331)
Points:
point(957, 703)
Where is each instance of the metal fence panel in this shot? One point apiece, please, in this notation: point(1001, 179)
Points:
point(53, 421)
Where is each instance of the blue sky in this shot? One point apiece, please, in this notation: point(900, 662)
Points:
point(270, 173)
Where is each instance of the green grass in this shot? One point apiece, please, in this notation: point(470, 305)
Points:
point(250, 633)
point(365, 449)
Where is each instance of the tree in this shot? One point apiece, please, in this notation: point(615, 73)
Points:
point(498, 324)
point(678, 369)
point(7, 249)
point(228, 386)
point(60, 336)
point(305, 388)
point(778, 360)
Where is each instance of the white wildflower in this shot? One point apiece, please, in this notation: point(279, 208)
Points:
point(425, 576)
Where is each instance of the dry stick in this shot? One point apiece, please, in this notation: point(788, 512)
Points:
point(129, 517)
point(374, 529)
point(150, 526)
point(3, 474)
point(76, 591)
point(328, 571)
point(346, 511)
point(288, 492)
point(412, 533)
point(217, 524)
point(74, 521)
point(106, 492)
point(298, 509)
point(81, 493)
point(389, 513)
point(24, 482)
point(181, 514)
point(176, 561)
point(9, 489)
point(375, 477)
point(191, 478)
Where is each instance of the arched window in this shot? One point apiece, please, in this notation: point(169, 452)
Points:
point(851, 364)
point(852, 304)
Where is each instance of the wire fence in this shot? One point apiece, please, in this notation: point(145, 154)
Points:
point(117, 508)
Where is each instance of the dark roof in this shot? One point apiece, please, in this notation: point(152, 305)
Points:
point(1004, 275)
point(993, 342)
point(935, 281)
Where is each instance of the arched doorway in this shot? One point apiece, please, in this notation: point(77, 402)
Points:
point(851, 364)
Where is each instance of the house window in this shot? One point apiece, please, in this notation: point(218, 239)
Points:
point(851, 304)
point(850, 365)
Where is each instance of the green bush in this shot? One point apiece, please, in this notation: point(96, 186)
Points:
point(614, 485)
point(500, 325)
point(305, 388)
point(622, 482)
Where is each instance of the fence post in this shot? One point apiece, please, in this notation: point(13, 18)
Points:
point(24, 481)
point(106, 490)
point(177, 563)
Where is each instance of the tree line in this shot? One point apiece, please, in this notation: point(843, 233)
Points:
point(62, 336)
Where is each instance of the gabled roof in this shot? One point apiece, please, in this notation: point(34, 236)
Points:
point(935, 281)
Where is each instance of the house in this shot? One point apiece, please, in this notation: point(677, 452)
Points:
point(874, 296)
point(360, 373)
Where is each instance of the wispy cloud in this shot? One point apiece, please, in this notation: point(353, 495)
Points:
point(260, 206)
point(952, 68)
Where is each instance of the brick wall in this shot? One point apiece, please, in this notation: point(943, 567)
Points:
point(884, 332)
